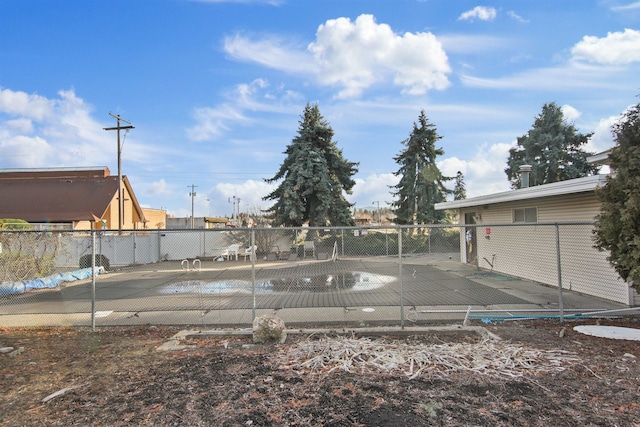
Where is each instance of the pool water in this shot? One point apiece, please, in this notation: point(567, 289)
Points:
point(354, 282)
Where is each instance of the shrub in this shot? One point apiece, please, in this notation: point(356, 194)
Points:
point(14, 224)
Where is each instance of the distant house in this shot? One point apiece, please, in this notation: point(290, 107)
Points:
point(363, 219)
point(198, 222)
point(528, 248)
point(155, 218)
point(69, 198)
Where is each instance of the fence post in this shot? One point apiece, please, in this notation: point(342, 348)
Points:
point(93, 280)
point(401, 280)
point(386, 240)
point(560, 300)
point(252, 240)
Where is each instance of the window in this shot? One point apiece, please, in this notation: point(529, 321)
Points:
point(525, 215)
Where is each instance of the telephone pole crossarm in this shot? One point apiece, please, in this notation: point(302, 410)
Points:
point(120, 127)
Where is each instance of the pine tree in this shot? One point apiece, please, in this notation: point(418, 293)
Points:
point(552, 148)
point(618, 227)
point(460, 190)
point(421, 183)
point(315, 178)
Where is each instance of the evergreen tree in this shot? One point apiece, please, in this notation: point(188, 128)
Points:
point(460, 190)
point(618, 228)
point(552, 148)
point(421, 183)
point(315, 177)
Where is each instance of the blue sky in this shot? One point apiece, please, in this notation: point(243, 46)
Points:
point(215, 89)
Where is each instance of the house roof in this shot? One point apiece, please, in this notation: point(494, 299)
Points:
point(601, 158)
point(216, 220)
point(58, 195)
point(570, 186)
point(31, 173)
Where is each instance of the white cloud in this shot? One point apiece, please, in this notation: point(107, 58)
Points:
point(36, 131)
point(630, 6)
point(617, 48)
point(259, 96)
point(484, 172)
point(373, 187)
point(595, 63)
point(358, 54)
point(354, 56)
point(160, 188)
point(602, 138)
point(26, 151)
point(21, 125)
point(249, 193)
point(366, 190)
point(575, 75)
point(569, 113)
point(517, 17)
point(30, 106)
point(271, 52)
point(482, 13)
point(451, 165)
point(212, 122)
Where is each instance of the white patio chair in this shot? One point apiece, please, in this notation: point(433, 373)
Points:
point(250, 252)
point(232, 250)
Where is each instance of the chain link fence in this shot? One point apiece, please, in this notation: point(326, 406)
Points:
point(309, 276)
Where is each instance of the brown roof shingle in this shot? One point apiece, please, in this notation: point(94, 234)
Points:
point(57, 195)
point(55, 200)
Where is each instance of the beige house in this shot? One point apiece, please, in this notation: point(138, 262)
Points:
point(155, 218)
point(69, 198)
point(363, 219)
point(197, 223)
point(514, 232)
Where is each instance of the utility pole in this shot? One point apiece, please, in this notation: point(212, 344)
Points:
point(193, 196)
point(233, 208)
point(120, 194)
point(238, 215)
point(235, 212)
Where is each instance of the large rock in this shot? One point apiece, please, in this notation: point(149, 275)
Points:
point(269, 328)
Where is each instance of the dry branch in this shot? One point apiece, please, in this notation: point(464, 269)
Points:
point(434, 361)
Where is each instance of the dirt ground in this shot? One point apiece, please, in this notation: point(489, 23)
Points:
point(117, 377)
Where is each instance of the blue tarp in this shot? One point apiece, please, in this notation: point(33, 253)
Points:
point(9, 288)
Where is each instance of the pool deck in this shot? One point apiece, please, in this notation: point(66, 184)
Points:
point(431, 288)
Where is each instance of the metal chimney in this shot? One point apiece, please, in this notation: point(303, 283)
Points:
point(525, 170)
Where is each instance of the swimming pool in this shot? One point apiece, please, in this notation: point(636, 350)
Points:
point(358, 281)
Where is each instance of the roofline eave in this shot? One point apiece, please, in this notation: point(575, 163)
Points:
point(570, 186)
